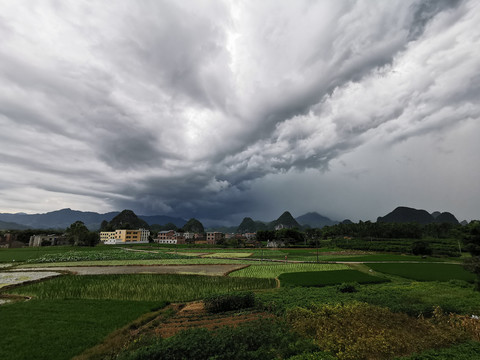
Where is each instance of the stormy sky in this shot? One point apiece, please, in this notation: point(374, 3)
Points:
point(225, 109)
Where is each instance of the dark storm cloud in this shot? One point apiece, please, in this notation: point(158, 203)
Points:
point(190, 107)
point(425, 11)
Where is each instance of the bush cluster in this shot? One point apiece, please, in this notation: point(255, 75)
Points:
point(262, 340)
point(228, 302)
point(347, 288)
point(362, 331)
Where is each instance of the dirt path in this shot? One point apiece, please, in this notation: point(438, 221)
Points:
point(146, 269)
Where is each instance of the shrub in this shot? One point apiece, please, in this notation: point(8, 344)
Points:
point(227, 302)
point(468, 324)
point(262, 340)
point(421, 248)
point(362, 331)
point(347, 288)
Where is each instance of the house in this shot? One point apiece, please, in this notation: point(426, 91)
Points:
point(124, 236)
point(47, 240)
point(214, 237)
point(10, 241)
point(275, 244)
point(170, 237)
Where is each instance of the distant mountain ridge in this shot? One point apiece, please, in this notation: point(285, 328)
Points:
point(286, 220)
point(61, 219)
point(127, 219)
point(311, 219)
point(7, 225)
point(403, 214)
point(315, 220)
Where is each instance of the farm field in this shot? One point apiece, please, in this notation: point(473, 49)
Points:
point(18, 277)
point(273, 270)
point(324, 278)
point(139, 287)
point(183, 261)
point(30, 253)
point(122, 255)
point(426, 272)
point(413, 289)
point(60, 329)
point(412, 298)
point(211, 269)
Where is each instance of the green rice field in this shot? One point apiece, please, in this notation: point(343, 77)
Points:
point(60, 329)
point(426, 272)
point(139, 287)
point(324, 278)
point(273, 270)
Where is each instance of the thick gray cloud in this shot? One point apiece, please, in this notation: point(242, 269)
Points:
point(225, 109)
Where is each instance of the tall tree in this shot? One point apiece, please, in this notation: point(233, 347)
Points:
point(79, 235)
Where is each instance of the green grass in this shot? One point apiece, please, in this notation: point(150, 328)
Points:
point(273, 270)
point(324, 278)
point(139, 287)
point(413, 298)
point(61, 329)
point(426, 272)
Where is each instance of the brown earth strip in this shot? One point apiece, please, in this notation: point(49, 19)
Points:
point(214, 270)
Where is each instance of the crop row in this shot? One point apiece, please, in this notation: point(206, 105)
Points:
point(116, 254)
point(141, 287)
point(273, 270)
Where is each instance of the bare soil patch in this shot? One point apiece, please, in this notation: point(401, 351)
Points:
point(10, 278)
point(214, 269)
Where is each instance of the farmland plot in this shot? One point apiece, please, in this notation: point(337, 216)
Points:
point(273, 270)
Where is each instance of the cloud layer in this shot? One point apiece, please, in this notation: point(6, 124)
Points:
point(222, 109)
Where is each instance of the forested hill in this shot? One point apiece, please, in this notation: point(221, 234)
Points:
point(403, 214)
point(61, 219)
